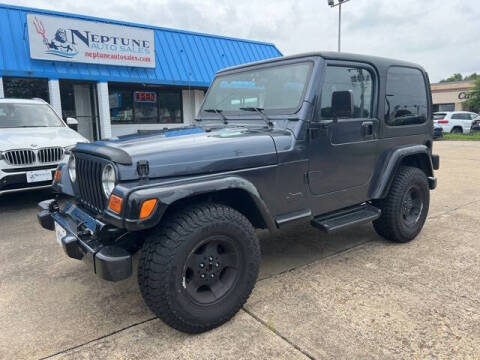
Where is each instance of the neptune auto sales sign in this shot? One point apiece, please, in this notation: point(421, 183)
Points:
point(66, 39)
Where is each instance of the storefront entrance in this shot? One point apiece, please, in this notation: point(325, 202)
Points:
point(79, 100)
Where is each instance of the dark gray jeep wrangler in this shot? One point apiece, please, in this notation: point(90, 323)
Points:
point(333, 139)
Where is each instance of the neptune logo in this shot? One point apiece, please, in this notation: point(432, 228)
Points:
point(59, 45)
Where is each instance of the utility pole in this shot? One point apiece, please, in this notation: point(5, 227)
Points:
point(339, 3)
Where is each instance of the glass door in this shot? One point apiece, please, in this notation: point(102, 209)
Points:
point(79, 102)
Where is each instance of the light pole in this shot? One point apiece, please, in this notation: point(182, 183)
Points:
point(339, 3)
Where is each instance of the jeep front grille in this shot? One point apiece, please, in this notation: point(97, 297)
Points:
point(19, 157)
point(49, 155)
point(89, 181)
point(31, 157)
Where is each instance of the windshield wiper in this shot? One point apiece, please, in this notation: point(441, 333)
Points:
point(219, 113)
point(261, 112)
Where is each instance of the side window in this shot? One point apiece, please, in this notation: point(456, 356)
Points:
point(457, 116)
point(406, 97)
point(355, 80)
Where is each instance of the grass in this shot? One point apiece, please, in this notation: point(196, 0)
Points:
point(464, 137)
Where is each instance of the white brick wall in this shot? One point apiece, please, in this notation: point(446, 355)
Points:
point(198, 100)
point(54, 93)
point(104, 110)
point(188, 106)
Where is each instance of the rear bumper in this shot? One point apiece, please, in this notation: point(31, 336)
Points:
point(83, 239)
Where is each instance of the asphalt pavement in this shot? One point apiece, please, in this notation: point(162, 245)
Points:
point(351, 295)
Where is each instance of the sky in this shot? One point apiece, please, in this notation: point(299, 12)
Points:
point(441, 35)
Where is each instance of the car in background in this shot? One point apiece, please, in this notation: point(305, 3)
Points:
point(33, 141)
point(456, 122)
point(476, 124)
point(437, 131)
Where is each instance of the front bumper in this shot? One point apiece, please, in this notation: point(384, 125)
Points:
point(15, 180)
point(86, 238)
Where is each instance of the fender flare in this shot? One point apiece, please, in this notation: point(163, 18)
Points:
point(167, 194)
point(390, 162)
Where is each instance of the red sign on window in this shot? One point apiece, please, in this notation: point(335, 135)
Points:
point(145, 96)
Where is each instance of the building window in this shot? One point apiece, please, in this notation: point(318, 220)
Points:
point(26, 88)
point(130, 104)
point(406, 97)
point(443, 107)
point(170, 105)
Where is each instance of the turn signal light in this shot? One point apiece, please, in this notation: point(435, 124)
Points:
point(115, 203)
point(147, 208)
point(58, 175)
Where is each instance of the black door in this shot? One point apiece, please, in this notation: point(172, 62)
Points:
point(343, 136)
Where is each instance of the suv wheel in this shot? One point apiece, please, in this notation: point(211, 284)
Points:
point(198, 268)
point(405, 208)
point(457, 130)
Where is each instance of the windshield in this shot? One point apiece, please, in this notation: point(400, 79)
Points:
point(28, 115)
point(278, 88)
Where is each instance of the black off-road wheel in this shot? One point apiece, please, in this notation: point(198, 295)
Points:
point(199, 266)
point(405, 208)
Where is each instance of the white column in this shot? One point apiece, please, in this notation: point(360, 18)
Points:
point(2, 93)
point(104, 110)
point(198, 97)
point(188, 107)
point(54, 93)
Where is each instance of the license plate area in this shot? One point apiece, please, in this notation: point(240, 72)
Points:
point(39, 176)
point(60, 232)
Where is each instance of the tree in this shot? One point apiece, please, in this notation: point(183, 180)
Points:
point(460, 77)
point(473, 76)
point(454, 77)
point(474, 100)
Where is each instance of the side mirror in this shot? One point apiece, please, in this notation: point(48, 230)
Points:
point(72, 123)
point(342, 104)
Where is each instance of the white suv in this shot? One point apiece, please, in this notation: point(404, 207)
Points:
point(33, 140)
point(454, 121)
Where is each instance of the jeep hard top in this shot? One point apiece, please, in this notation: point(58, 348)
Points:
point(333, 139)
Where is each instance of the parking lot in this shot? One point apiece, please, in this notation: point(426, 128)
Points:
point(351, 295)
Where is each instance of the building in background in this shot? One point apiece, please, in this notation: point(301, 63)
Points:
point(114, 77)
point(449, 96)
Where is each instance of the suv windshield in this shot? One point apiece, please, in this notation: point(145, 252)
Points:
point(278, 88)
point(14, 115)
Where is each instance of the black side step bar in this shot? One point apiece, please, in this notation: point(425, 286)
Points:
point(347, 217)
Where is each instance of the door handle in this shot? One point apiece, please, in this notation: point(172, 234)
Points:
point(367, 129)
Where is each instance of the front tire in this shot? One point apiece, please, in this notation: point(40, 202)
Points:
point(198, 268)
point(405, 208)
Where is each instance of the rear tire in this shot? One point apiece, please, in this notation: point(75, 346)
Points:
point(198, 268)
point(457, 130)
point(405, 208)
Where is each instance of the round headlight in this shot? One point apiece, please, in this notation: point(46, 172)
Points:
point(108, 179)
point(72, 168)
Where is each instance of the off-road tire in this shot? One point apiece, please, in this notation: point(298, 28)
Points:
point(161, 274)
point(392, 224)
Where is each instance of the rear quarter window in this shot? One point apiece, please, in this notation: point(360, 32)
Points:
point(406, 97)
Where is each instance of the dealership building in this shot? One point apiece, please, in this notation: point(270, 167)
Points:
point(451, 96)
point(114, 77)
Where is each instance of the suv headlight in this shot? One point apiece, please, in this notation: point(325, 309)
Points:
point(72, 171)
point(108, 179)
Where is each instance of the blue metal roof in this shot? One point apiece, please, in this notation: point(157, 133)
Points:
point(182, 57)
